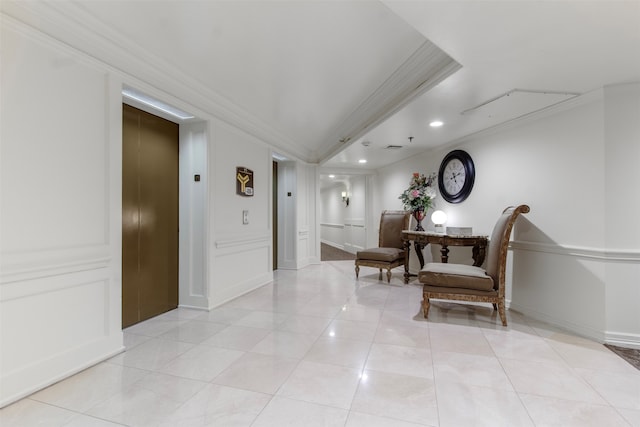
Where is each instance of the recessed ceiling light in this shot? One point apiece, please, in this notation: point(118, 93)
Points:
point(436, 124)
point(332, 176)
point(362, 161)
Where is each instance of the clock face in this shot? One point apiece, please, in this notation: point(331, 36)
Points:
point(456, 176)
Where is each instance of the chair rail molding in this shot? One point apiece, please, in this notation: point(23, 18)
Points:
point(331, 225)
point(619, 259)
point(259, 239)
point(601, 254)
point(18, 267)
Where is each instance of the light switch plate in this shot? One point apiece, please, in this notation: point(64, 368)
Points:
point(245, 217)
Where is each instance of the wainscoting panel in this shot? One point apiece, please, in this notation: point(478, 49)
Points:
point(355, 234)
point(303, 248)
point(60, 213)
point(332, 234)
point(49, 325)
point(245, 262)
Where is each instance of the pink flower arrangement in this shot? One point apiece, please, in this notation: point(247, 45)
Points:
point(420, 193)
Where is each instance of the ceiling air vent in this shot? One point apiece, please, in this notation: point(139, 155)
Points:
point(393, 147)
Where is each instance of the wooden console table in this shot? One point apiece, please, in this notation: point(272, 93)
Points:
point(421, 239)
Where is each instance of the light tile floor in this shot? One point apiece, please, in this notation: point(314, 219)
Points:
point(318, 348)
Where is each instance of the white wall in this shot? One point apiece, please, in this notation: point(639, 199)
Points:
point(60, 241)
point(622, 228)
point(575, 262)
point(240, 254)
point(61, 213)
point(561, 171)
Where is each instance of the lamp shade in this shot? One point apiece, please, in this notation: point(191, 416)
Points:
point(439, 217)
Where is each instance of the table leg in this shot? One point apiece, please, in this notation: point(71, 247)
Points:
point(419, 248)
point(478, 255)
point(407, 248)
point(444, 254)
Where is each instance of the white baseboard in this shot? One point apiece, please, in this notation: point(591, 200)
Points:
point(580, 330)
point(622, 339)
point(333, 244)
point(240, 289)
point(38, 375)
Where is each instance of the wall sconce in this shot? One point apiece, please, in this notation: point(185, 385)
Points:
point(345, 198)
point(439, 218)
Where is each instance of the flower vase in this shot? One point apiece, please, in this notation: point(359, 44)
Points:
point(418, 215)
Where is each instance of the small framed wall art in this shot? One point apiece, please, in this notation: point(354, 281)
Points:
point(244, 181)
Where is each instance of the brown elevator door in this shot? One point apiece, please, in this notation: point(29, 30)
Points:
point(149, 215)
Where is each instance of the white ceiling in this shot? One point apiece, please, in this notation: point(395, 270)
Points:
point(554, 46)
point(305, 69)
point(313, 73)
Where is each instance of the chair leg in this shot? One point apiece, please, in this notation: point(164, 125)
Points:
point(425, 306)
point(495, 307)
point(380, 275)
point(502, 313)
point(388, 275)
point(357, 270)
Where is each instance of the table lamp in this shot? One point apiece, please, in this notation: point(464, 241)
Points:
point(439, 218)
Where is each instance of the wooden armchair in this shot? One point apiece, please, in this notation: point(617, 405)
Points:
point(390, 252)
point(468, 283)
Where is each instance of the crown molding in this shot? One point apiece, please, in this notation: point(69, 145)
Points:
point(71, 25)
point(74, 27)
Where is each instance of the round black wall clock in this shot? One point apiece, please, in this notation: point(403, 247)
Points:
point(456, 176)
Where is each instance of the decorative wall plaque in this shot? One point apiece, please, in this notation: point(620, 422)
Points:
point(244, 181)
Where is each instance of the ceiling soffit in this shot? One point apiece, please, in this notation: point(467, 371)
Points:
point(71, 24)
point(424, 69)
point(82, 27)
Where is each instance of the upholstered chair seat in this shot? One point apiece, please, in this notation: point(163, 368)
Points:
point(381, 254)
point(390, 252)
point(458, 276)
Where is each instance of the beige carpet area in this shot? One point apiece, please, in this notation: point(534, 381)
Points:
point(631, 355)
point(330, 253)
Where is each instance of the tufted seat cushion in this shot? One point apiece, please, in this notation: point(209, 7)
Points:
point(380, 254)
point(457, 276)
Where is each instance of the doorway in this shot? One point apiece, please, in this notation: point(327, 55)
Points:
point(274, 216)
point(149, 215)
